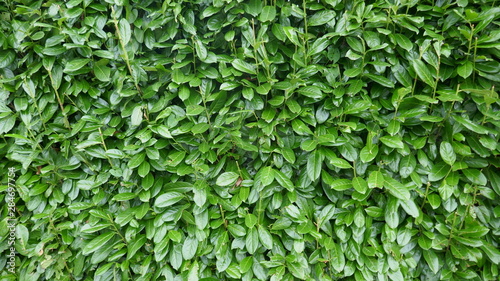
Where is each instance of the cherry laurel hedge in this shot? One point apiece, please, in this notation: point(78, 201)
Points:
point(250, 140)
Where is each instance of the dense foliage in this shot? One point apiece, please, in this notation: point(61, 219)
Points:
point(251, 140)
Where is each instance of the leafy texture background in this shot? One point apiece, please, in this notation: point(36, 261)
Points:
point(251, 140)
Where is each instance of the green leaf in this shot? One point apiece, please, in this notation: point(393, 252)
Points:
point(319, 45)
point(227, 178)
point(250, 220)
point(266, 175)
point(423, 72)
point(125, 31)
point(164, 131)
point(471, 125)
point(189, 248)
point(288, 154)
point(407, 166)
point(403, 41)
point(124, 196)
point(193, 274)
point(475, 176)
point(135, 246)
point(300, 128)
point(386, 82)
point(492, 253)
point(136, 116)
point(340, 163)
point(168, 199)
point(393, 127)
point(465, 70)
point(338, 259)
point(341, 184)
point(376, 180)
point(471, 242)
point(75, 64)
point(447, 153)
point(244, 66)
point(355, 44)
point(410, 207)
point(102, 71)
point(252, 240)
point(136, 160)
point(292, 35)
point(396, 188)
point(392, 141)
point(283, 180)
point(6, 58)
point(349, 152)
point(360, 185)
point(97, 243)
point(236, 230)
point(311, 92)
point(321, 18)
point(265, 238)
point(438, 171)
point(268, 13)
point(201, 50)
point(314, 164)
point(309, 145)
point(246, 264)
point(368, 153)
point(432, 260)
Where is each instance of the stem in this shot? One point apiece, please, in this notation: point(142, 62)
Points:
point(304, 38)
point(425, 196)
point(32, 95)
point(255, 54)
point(66, 122)
point(126, 58)
point(117, 230)
point(474, 60)
point(222, 214)
point(451, 229)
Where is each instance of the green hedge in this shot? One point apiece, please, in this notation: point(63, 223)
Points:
point(250, 140)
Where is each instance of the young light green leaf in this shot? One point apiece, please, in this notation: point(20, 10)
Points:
point(360, 185)
point(311, 92)
point(392, 141)
point(125, 31)
point(314, 165)
point(265, 238)
point(102, 71)
point(376, 179)
point(189, 248)
point(168, 199)
point(465, 70)
point(283, 180)
point(341, 184)
point(384, 81)
point(266, 175)
point(423, 72)
point(136, 116)
point(447, 153)
point(252, 240)
point(396, 188)
point(97, 243)
point(227, 178)
point(268, 13)
point(410, 207)
point(319, 45)
point(74, 65)
point(368, 153)
point(244, 66)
